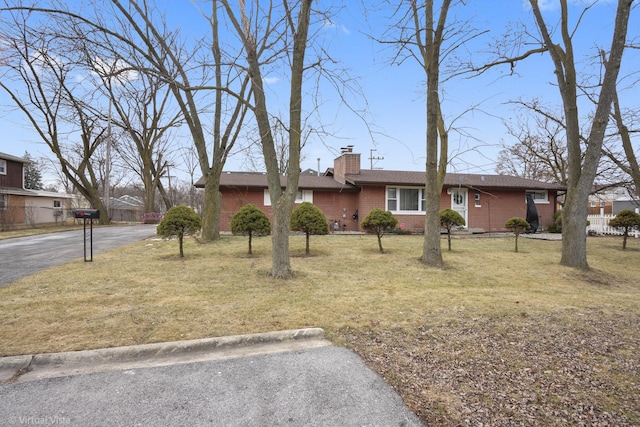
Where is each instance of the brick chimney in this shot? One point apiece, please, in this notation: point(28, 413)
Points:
point(347, 164)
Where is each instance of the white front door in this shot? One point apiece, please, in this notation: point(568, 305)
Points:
point(460, 202)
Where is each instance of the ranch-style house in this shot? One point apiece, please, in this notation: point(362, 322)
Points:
point(346, 193)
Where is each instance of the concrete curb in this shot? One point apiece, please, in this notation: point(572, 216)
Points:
point(47, 365)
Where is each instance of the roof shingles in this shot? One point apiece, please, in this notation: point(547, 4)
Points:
point(384, 177)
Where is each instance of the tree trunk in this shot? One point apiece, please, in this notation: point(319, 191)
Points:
point(582, 172)
point(211, 208)
point(280, 263)
point(574, 231)
point(431, 250)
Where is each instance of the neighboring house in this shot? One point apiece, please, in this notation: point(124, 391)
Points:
point(601, 200)
point(611, 200)
point(21, 207)
point(126, 208)
point(623, 203)
point(346, 194)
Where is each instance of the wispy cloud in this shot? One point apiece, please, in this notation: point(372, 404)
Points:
point(338, 27)
point(271, 80)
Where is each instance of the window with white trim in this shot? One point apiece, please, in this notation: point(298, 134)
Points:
point(405, 199)
point(3, 167)
point(301, 196)
point(539, 196)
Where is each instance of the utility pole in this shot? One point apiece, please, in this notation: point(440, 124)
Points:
point(372, 159)
point(107, 164)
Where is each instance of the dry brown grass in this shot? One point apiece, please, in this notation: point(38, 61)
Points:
point(496, 337)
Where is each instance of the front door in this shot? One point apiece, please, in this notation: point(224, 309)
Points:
point(459, 202)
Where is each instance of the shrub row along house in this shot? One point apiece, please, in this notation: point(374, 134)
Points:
point(23, 207)
point(346, 193)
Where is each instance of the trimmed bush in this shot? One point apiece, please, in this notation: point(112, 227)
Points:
point(627, 220)
point(518, 226)
point(250, 221)
point(377, 222)
point(449, 219)
point(179, 221)
point(556, 225)
point(310, 220)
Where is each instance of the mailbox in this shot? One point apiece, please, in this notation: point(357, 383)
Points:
point(86, 213)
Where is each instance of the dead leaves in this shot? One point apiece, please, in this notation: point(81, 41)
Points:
point(553, 370)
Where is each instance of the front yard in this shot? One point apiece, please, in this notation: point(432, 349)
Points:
point(496, 338)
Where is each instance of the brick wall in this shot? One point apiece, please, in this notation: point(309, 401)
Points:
point(337, 207)
point(495, 207)
point(347, 164)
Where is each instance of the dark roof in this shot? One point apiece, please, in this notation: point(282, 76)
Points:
point(383, 177)
point(387, 177)
point(259, 180)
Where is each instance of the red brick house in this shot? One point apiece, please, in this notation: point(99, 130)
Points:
point(23, 207)
point(346, 194)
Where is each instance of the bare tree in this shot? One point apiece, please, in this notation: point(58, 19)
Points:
point(38, 76)
point(145, 116)
point(540, 152)
point(624, 123)
point(581, 174)
point(169, 58)
point(267, 35)
point(582, 159)
point(431, 40)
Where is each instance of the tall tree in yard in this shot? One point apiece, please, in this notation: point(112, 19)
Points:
point(285, 37)
point(422, 36)
point(583, 151)
point(581, 174)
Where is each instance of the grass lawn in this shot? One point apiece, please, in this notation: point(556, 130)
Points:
point(497, 337)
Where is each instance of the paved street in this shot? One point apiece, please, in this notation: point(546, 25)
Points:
point(23, 256)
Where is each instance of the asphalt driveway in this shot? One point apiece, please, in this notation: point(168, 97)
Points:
point(288, 378)
point(23, 256)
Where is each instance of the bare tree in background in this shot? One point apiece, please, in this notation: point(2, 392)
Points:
point(168, 57)
point(143, 113)
point(541, 151)
point(39, 76)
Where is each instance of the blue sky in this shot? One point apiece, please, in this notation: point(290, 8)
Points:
point(394, 94)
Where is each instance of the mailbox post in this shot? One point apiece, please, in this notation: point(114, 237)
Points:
point(87, 214)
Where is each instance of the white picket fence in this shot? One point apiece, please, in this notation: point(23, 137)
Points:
point(599, 224)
